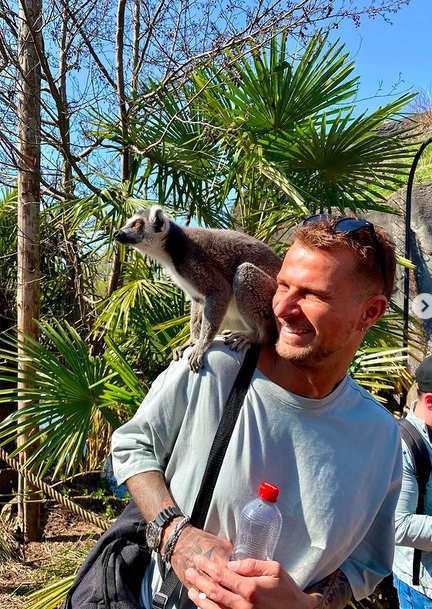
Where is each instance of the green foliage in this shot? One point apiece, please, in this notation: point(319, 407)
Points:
point(50, 596)
point(137, 314)
point(68, 392)
point(380, 365)
point(8, 249)
point(424, 168)
point(254, 140)
point(58, 283)
point(270, 137)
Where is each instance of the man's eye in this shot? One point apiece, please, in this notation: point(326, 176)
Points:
point(138, 224)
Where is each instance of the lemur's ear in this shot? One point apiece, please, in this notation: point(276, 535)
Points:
point(158, 220)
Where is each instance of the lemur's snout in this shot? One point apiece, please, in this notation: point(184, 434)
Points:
point(119, 236)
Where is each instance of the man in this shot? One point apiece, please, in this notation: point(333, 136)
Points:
point(415, 530)
point(332, 450)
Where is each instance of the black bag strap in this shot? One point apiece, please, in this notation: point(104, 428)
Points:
point(422, 469)
point(214, 463)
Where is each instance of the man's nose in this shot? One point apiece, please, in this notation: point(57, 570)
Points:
point(287, 306)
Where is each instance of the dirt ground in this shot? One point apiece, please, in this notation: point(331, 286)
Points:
point(65, 542)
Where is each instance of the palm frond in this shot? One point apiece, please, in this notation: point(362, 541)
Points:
point(65, 390)
point(381, 369)
point(50, 596)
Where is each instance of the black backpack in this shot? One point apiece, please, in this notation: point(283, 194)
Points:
point(422, 470)
point(112, 573)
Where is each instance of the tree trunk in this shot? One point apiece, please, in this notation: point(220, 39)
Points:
point(28, 297)
point(116, 269)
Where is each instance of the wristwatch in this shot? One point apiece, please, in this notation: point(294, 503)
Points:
point(153, 530)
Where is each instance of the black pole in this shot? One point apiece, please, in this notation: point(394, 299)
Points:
point(408, 247)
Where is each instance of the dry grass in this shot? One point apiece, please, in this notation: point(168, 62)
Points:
point(65, 543)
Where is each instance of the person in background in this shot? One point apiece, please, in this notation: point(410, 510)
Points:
point(414, 531)
point(305, 425)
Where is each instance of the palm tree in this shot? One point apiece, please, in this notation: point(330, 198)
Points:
point(268, 138)
point(253, 141)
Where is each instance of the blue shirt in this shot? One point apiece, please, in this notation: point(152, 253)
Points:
point(414, 530)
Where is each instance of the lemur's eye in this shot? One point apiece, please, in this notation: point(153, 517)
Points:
point(138, 224)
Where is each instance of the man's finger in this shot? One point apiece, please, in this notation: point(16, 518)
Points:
point(255, 568)
point(211, 590)
point(228, 580)
point(201, 599)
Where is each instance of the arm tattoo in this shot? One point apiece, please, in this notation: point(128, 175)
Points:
point(334, 590)
point(150, 493)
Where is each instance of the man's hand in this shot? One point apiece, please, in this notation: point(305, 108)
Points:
point(151, 496)
point(194, 543)
point(246, 584)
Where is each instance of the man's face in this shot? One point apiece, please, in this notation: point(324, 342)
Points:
point(423, 408)
point(317, 306)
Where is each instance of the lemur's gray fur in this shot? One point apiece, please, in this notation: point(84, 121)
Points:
point(227, 274)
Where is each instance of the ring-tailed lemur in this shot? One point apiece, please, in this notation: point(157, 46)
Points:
point(227, 274)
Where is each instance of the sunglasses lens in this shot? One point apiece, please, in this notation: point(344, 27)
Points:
point(316, 218)
point(343, 225)
point(349, 225)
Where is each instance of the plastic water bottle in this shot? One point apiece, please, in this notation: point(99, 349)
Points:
point(260, 526)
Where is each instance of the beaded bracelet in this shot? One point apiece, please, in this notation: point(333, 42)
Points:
point(168, 550)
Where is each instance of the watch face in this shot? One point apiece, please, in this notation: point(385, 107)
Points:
point(152, 535)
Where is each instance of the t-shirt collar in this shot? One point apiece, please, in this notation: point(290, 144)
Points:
point(298, 401)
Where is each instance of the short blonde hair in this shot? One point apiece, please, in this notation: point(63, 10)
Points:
point(370, 263)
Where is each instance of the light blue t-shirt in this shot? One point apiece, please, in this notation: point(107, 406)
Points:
point(336, 461)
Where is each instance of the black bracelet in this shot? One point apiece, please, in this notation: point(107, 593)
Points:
point(168, 550)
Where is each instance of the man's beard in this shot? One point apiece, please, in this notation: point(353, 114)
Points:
point(308, 356)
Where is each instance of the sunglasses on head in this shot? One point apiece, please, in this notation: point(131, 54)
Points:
point(351, 225)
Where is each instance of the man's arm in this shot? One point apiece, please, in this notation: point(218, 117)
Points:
point(412, 530)
point(258, 584)
point(151, 495)
point(334, 591)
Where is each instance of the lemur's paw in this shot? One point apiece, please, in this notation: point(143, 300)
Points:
point(237, 340)
point(196, 359)
point(179, 351)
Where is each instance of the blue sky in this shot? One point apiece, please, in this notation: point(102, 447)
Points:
point(386, 53)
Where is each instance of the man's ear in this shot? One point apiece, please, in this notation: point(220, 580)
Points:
point(374, 308)
point(427, 399)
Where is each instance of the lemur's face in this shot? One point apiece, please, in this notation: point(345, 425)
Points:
point(133, 231)
point(145, 230)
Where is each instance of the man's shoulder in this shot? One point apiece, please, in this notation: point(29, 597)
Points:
point(370, 406)
point(220, 356)
point(218, 359)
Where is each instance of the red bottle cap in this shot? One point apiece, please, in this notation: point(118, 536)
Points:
point(268, 491)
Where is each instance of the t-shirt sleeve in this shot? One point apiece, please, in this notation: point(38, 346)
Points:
point(372, 559)
point(145, 442)
point(412, 530)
